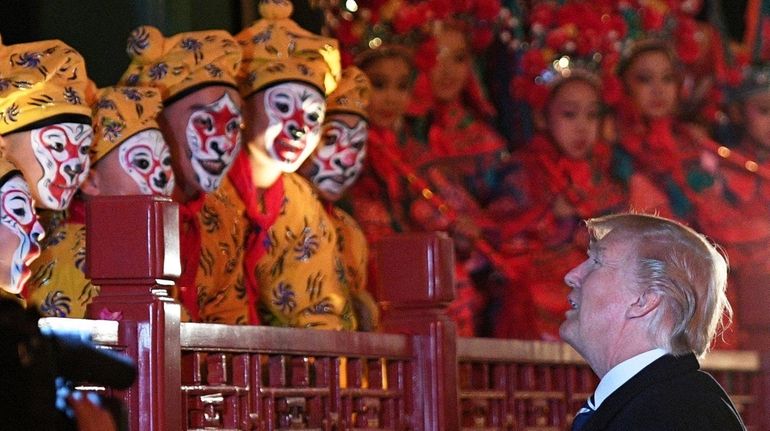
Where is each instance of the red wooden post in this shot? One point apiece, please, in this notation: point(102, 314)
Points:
point(133, 254)
point(415, 283)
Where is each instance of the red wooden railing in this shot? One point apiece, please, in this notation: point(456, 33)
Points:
point(417, 376)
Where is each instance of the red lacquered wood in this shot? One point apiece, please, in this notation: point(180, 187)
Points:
point(133, 255)
point(415, 282)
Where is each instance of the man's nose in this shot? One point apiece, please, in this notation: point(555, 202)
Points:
point(572, 279)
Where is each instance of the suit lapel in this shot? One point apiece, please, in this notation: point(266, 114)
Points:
point(664, 368)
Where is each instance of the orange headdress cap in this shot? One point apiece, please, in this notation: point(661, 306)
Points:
point(42, 80)
point(276, 49)
point(120, 113)
point(182, 63)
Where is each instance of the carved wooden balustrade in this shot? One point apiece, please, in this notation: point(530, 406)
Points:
point(538, 386)
point(418, 375)
point(258, 378)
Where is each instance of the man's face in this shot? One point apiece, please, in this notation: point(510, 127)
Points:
point(339, 158)
point(19, 232)
point(146, 159)
point(203, 132)
point(62, 150)
point(602, 290)
point(293, 113)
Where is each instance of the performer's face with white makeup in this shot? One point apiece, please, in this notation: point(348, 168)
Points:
point(339, 158)
point(147, 160)
point(287, 124)
point(54, 160)
point(203, 132)
point(20, 232)
point(141, 165)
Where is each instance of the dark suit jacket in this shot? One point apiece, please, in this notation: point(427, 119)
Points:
point(669, 394)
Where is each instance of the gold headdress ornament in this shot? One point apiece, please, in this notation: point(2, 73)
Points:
point(182, 63)
point(120, 113)
point(352, 94)
point(40, 81)
point(276, 49)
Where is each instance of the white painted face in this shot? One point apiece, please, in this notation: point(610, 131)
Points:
point(62, 150)
point(214, 138)
point(339, 158)
point(147, 160)
point(18, 216)
point(295, 112)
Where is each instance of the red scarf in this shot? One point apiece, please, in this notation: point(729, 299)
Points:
point(262, 209)
point(190, 253)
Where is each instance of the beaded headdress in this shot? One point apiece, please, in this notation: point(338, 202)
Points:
point(404, 23)
point(575, 40)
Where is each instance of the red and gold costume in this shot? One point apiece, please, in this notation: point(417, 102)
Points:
point(210, 287)
point(460, 157)
point(54, 72)
point(219, 280)
point(380, 196)
point(58, 286)
point(340, 157)
point(354, 253)
point(294, 272)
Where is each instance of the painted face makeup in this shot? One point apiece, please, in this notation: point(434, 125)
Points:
point(295, 113)
point(62, 151)
point(146, 159)
point(18, 216)
point(338, 160)
point(214, 139)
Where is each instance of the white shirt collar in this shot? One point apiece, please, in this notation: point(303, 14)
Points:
point(621, 373)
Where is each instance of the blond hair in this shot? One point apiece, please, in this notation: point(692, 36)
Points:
point(685, 268)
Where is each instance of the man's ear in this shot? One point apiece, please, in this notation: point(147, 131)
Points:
point(646, 303)
point(91, 186)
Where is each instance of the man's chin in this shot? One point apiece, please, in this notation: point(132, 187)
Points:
point(565, 333)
